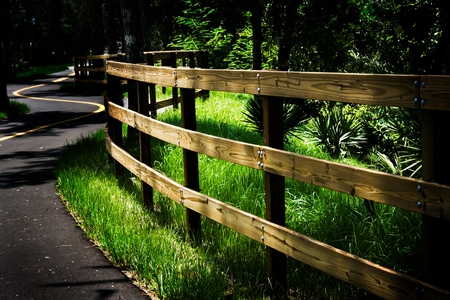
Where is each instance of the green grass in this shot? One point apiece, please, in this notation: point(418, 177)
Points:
point(152, 244)
point(16, 108)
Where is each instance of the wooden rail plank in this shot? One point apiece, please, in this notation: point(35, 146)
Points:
point(376, 279)
point(435, 92)
point(392, 90)
point(398, 191)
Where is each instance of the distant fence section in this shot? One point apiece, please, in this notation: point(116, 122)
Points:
point(92, 69)
point(429, 197)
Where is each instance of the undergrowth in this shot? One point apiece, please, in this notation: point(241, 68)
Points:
point(152, 244)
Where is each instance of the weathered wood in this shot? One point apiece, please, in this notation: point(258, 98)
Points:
point(173, 64)
point(377, 186)
point(190, 159)
point(115, 126)
point(435, 168)
point(435, 92)
point(144, 143)
point(275, 189)
point(168, 102)
point(373, 89)
point(376, 279)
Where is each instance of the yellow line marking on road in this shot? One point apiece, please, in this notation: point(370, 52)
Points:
point(17, 93)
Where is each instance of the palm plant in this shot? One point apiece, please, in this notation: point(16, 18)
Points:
point(396, 140)
point(295, 113)
point(337, 132)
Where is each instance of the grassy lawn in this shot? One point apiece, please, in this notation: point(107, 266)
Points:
point(152, 246)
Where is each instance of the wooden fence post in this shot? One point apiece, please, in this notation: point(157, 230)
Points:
point(191, 179)
point(173, 64)
point(275, 190)
point(152, 105)
point(435, 168)
point(114, 92)
point(144, 143)
point(204, 65)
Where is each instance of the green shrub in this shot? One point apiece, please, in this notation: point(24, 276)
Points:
point(337, 132)
point(295, 113)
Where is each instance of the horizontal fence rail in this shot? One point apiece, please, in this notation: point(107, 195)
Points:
point(371, 185)
point(409, 91)
point(387, 90)
point(92, 68)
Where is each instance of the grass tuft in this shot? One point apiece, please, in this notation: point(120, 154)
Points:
point(16, 108)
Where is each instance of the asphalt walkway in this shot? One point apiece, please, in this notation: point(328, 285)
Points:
point(43, 254)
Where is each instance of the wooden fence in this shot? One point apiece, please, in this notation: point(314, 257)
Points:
point(428, 197)
point(92, 69)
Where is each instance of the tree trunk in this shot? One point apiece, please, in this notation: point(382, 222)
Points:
point(286, 32)
point(133, 41)
point(257, 34)
point(4, 101)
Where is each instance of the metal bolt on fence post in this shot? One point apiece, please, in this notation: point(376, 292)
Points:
point(423, 84)
point(416, 83)
point(419, 188)
point(419, 204)
point(422, 102)
point(416, 101)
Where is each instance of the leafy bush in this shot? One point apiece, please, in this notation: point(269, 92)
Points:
point(195, 32)
point(395, 135)
point(337, 132)
point(295, 114)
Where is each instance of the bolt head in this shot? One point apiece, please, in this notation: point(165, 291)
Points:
point(422, 102)
point(423, 84)
point(416, 101)
point(419, 204)
point(419, 188)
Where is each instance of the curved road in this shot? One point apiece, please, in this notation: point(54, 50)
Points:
point(43, 254)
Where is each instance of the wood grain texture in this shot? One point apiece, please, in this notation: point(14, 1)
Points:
point(373, 89)
point(376, 279)
point(435, 92)
point(394, 190)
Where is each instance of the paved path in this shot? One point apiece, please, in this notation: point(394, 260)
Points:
point(43, 254)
